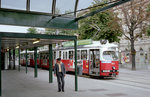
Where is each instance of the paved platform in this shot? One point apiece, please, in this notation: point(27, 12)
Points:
point(128, 84)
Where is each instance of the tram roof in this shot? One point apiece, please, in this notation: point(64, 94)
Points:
point(25, 40)
point(93, 45)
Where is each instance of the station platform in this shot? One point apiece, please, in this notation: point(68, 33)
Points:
point(20, 84)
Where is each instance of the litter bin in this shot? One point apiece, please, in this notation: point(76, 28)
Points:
point(79, 67)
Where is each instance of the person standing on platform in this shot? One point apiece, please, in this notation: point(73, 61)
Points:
point(60, 73)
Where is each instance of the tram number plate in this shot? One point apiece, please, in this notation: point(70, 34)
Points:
point(114, 70)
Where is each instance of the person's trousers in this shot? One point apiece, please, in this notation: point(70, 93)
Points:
point(60, 80)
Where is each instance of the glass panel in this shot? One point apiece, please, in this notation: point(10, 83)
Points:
point(82, 4)
point(59, 54)
point(14, 4)
point(64, 6)
point(70, 55)
point(41, 5)
point(110, 55)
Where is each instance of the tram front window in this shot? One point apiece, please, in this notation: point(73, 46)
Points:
point(110, 55)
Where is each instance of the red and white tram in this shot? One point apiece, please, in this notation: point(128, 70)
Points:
point(95, 58)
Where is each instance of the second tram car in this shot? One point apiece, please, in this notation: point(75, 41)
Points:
point(30, 59)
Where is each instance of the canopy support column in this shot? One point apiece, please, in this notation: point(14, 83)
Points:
point(19, 59)
point(26, 62)
point(14, 65)
point(76, 79)
point(35, 62)
point(0, 70)
point(50, 64)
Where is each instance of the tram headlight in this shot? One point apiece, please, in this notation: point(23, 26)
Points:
point(106, 70)
point(113, 68)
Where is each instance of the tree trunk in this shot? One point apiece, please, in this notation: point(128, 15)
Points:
point(133, 53)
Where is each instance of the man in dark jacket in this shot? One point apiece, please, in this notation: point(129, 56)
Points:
point(60, 72)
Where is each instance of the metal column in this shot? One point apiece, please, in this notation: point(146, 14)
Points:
point(35, 62)
point(50, 64)
point(14, 66)
point(26, 62)
point(9, 67)
point(76, 78)
point(0, 70)
point(19, 59)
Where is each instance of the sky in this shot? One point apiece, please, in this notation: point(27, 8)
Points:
point(45, 6)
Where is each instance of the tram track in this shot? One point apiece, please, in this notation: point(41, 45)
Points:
point(121, 81)
point(142, 76)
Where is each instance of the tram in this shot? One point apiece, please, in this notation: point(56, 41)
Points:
point(93, 58)
point(30, 59)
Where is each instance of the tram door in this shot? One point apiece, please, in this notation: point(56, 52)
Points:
point(94, 61)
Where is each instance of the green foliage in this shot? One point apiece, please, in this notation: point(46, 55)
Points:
point(32, 30)
point(61, 31)
point(103, 25)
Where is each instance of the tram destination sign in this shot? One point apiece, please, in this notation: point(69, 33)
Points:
point(79, 42)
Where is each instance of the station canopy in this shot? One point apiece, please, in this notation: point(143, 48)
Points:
point(46, 14)
point(61, 14)
point(55, 7)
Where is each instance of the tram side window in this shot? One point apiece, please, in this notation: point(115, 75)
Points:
point(70, 54)
point(83, 54)
point(37, 55)
point(47, 56)
point(110, 55)
point(66, 55)
point(22, 56)
point(41, 56)
point(59, 54)
point(54, 55)
point(78, 55)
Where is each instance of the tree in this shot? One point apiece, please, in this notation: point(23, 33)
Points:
point(148, 29)
point(103, 25)
point(134, 19)
point(50, 31)
point(60, 31)
point(32, 30)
